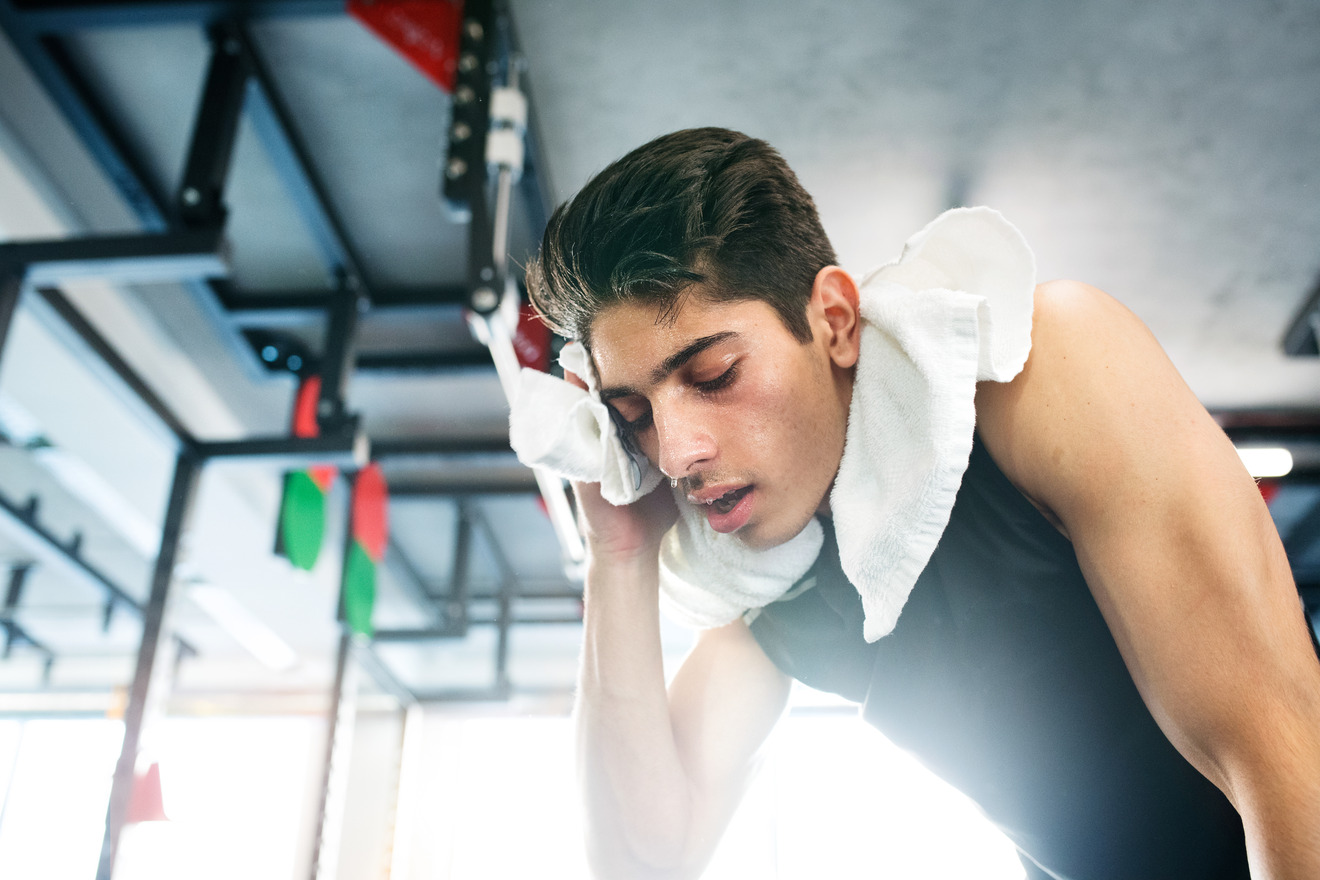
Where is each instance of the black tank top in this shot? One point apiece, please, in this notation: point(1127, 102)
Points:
point(1002, 677)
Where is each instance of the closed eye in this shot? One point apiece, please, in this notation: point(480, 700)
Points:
point(628, 429)
point(719, 382)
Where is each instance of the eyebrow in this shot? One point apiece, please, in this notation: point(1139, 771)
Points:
point(672, 363)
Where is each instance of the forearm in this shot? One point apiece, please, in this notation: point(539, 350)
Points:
point(1279, 800)
point(637, 793)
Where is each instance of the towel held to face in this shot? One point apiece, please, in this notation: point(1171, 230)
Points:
point(954, 309)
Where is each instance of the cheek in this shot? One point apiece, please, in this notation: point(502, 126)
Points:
point(776, 424)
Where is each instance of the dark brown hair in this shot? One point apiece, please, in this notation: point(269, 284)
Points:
point(704, 206)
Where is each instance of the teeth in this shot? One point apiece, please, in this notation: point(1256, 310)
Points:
point(727, 500)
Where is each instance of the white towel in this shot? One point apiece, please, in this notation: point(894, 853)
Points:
point(954, 309)
point(568, 431)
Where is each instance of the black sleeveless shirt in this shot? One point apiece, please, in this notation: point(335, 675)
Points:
point(1003, 678)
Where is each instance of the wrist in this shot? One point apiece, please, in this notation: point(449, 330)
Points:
point(639, 564)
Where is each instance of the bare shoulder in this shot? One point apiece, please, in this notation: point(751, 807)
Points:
point(1098, 407)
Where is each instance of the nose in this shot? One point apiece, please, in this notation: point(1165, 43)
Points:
point(685, 439)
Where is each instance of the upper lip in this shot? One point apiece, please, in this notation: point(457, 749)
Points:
point(707, 494)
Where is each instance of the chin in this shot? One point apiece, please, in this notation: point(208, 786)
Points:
point(758, 536)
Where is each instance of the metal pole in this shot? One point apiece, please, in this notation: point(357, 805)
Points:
point(339, 746)
point(145, 678)
point(503, 197)
point(11, 288)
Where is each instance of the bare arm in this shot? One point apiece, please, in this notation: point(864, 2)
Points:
point(1181, 555)
point(661, 773)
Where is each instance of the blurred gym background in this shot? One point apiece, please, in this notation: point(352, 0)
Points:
point(278, 600)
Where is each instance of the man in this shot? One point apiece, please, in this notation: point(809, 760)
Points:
point(1106, 650)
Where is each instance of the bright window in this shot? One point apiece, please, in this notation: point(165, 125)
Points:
point(234, 790)
point(53, 818)
point(834, 799)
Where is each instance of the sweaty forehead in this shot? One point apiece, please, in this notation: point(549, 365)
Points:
point(634, 346)
point(626, 338)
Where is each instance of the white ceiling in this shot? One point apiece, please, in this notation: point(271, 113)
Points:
point(1165, 152)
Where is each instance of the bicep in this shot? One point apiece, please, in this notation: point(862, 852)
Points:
point(1175, 541)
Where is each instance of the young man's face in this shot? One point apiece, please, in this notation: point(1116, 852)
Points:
point(726, 400)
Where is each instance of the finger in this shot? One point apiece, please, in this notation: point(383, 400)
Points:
point(589, 492)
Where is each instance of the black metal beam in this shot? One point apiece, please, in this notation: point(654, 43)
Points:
point(400, 447)
point(200, 198)
point(465, 182)
point(424, 361)
point(344, 450)
point(167, 256)
point(60, 16)
point(1301, 430)
point(11, 289)
point(337, 358)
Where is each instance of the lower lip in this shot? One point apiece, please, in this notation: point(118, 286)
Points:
point(733, 520)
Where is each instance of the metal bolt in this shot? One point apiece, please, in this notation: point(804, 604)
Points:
point(191, 196)
point(325, 407)
point(487, 273)
point(461, 131)
point(474, 29)
point(464, 95)
point(456, 169)
point(468, 62)
point(484, 299)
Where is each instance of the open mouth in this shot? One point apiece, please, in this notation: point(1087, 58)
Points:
point(728, 501)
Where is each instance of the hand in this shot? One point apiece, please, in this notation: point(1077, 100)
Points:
point(622, 533)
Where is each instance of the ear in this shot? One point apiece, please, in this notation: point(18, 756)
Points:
point(835, 315)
